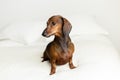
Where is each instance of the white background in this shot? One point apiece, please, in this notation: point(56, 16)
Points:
point(106, 12)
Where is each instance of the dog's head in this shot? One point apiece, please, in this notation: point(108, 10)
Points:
point(58, 26)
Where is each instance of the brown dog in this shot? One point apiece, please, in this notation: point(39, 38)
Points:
point(60, 50)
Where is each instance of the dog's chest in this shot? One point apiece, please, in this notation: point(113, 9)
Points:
point(63, 58)
point(63, 54)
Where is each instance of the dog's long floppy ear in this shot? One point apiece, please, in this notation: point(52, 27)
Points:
point(66, 27)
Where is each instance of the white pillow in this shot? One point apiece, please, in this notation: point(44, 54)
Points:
point(3, 37)
point(30, 32)
point(24, 32)
point(82, 24)
point(9, 43)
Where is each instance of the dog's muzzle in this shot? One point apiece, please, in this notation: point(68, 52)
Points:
point(45, 34)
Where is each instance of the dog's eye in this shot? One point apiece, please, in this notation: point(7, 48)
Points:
point(53, 23)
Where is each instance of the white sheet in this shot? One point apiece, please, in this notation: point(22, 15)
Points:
point(95, 58)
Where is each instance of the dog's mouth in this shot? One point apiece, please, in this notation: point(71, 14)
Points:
point(45, 34)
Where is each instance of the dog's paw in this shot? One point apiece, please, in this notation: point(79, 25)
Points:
point(72, 66)
point(51, 73)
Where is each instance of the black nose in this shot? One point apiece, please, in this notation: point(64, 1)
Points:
point(44, 33)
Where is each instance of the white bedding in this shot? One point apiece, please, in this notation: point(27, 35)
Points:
point(95, 58)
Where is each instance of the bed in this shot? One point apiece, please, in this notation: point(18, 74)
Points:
point(22, 46)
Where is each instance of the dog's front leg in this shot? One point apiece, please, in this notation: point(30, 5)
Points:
point(71, 64)
point(53, 67)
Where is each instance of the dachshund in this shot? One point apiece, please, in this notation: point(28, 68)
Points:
point(60, 50)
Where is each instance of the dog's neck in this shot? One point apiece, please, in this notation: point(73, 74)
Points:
point(63, 42)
